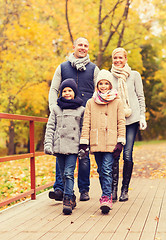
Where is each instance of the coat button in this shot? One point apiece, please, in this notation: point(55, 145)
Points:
point(82, 94)
point(72, 138)
point(74, 128)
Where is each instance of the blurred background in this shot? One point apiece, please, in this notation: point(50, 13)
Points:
point(36, 36)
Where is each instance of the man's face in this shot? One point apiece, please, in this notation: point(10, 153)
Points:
point(81, 48)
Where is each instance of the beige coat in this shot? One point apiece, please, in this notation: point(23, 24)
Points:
point(103, 125)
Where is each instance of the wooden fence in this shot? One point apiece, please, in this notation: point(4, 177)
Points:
point(30, 155)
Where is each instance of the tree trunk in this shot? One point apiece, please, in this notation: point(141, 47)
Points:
point(11, 148)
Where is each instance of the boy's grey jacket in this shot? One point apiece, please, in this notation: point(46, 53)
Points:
point(63, 130)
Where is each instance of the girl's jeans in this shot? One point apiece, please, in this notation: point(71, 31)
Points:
point(67, 164)
point(105, 162)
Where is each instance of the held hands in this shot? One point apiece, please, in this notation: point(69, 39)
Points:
point(48, 150)
point(142, 123)
point(117, 150)
point(83, 151)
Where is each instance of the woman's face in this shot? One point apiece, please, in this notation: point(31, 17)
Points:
point(119, 59)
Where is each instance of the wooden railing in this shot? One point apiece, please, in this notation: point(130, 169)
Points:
point(30, 155)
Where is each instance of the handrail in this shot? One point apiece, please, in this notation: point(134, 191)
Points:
point(31, 155)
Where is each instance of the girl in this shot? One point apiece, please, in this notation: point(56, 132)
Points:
point(104, 130)
point(62, 137)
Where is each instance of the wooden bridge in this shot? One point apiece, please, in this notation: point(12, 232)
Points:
point(143, 217)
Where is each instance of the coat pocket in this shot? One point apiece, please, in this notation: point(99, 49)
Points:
point(94, 137)
point(111, 137)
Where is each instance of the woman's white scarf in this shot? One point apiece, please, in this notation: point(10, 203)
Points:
point(105, 98)
point(79, 63)
point(122, 74)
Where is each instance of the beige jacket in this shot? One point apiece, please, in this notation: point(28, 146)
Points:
point(103, 125)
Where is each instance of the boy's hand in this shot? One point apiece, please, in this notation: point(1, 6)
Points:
point(48, 150)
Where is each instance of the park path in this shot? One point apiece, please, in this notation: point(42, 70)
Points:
point(143, 217)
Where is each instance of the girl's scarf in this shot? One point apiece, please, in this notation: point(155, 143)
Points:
point(79, 63)
point(69, 104)
point(122, 74)
point(105, 98)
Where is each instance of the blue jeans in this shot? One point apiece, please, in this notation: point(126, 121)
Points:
point(131, 131)
point(105, 162)
point(83, 176)
point(67, 164)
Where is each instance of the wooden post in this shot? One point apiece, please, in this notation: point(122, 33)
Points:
point(32, 159)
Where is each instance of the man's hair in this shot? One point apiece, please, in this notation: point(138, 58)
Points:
point(75, 41)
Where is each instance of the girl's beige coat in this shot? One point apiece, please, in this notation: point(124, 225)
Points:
point(103, 125)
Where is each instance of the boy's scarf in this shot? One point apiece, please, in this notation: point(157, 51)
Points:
point(69, 104)
point(79, 63)
point(105, 98)
point(122, 74)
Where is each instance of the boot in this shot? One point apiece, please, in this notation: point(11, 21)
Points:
point(69, 204)
point(115, 178)
point(127, 172)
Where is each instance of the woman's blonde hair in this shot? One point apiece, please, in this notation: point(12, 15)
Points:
point(119, 49)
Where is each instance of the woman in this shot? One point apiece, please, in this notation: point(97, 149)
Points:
point(130, 88)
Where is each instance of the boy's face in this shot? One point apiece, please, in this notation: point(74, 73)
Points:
point(68, 93)
point(103, 86)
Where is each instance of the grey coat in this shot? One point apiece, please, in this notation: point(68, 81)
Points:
point(63, 130)
point(136, 96)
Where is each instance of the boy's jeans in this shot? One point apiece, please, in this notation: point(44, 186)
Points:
point(67, 165)
point(83, 176)
point(105, 162)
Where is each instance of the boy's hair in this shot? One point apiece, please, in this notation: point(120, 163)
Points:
point(69, 82)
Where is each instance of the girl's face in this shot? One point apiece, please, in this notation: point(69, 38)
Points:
point(68, 93)
point(119, 59)
point(103, 86)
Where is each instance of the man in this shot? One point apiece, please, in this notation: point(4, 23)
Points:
point(84, 72)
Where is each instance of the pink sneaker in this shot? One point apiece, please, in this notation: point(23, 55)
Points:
point(105, 204)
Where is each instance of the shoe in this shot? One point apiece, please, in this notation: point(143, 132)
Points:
point(74, 201)
point(68, 205)
point(127, 172)
point(124, 196)
point(105, 204)
point(84, 196)
point(57, 195)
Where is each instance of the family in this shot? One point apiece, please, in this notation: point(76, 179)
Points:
point(93, 111)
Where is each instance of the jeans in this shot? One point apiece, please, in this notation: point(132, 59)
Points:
point(67, 164)
point(131, 131)
point(83, 176)
point(105, 162)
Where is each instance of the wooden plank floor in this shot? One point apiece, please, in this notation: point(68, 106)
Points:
point(142, 217)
